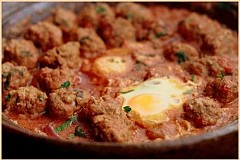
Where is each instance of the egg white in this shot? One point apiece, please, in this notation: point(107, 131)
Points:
point(150, 100)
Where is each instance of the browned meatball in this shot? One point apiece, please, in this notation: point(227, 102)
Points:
point(63, 103)
point(90, 15)
point(21, 52)
point(65, 19)
point(26, 100)
point(195, 26)
point(140, 16)
point(14, 76)
point(110, 122)
point(180, 52)
point(115, 33)
point(223, 89)
point(67, 55)
point(212, 66)
point(223, 42)
point(91, 44)
point(202, 111)
point(45, 35)
point(52, 79)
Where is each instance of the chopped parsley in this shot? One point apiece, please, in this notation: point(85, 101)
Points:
point(83, 39)
point(182, 57)
point(124, 92)
point(129, 16)
point(41, 97)
point(188, 91)
point(100, 9)
point(221, 75)
point(192, 78)
point(65, 22)
point(160, 34)
point(7, 97)
point(65, 84)
point(66, 124)
point(127, 108)
point(79, 132)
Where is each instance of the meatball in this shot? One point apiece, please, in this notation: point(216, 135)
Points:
point(14, 77)
point(65, 19)
point(52, 79)
point(91, 14)
point(180, 52)
point(195, 26)
point(209, 66)
point(202, 111)
point(45, 35)
point(26, 100)
point(114, 34)
point(67, 55)
point(223, 42)
point(63, 103)
point(223, 89)
point(91, 44)
point(21, 52)
point(141, 17)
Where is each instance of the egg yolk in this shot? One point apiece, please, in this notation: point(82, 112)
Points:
point(145, 104)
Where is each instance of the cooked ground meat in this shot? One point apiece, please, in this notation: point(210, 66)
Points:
point(52, 79)
point(21, 52)
point(202, 111)
point(144, 53)
point(26, 100)
point(44, 35)
point(63, 103)
point(140, 16)
point(14, 77)
point(65, 19)
point(224, 89)
point(91, 14)
point(209, 66)
point(180, 52)
point(223, 42)
point(109, 120)
point(91, 45)
point(67, 55)
point(114, 34)
point(195, 26)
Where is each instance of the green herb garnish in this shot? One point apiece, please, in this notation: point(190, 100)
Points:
point(41, 97)
point(182, 57)
point(129, 16)
point(7, 97)
point(122, 92)
point(65, 22)
point(192, 78)
point(65, 84)
point(188, 91)
point(221, 75)
point(79, 132)
point(100, 9)
point(127, 108)
point(83, 39)
point(161, 34)
point(66, 124)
